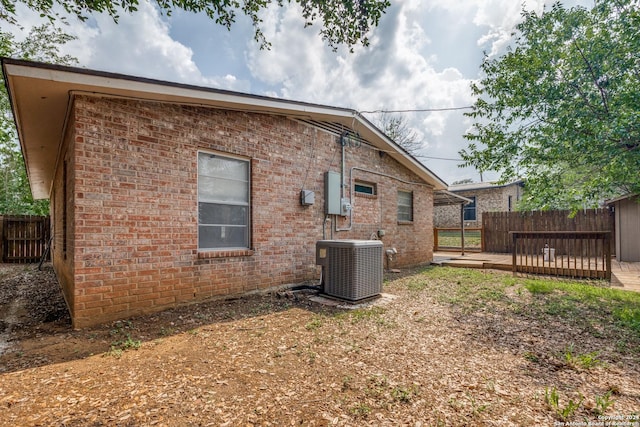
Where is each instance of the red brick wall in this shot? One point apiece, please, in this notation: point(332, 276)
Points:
point(135, 209)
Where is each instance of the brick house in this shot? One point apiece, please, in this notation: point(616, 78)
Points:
point(484, 196)
point(164, 194)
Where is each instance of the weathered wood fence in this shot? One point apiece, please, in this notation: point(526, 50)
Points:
point(576, 254)
point(24, 237)
point(497, 225)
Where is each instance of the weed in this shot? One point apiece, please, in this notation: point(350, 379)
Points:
point(531, 357)
point(376, 385)
point(193, 332)
point(314, 324)
point(114, 352)
point(603, 402)
point(403, 394)
point(118, 347)
point(552, 399)
point(361, 410)
point(362, 314)
point(585, 361)
point(476, 409)
point(166, 331)
point(346, 382)
point(312, 357)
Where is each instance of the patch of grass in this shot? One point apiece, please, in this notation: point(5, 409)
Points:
point(373, 314)
point(313, 324)
point(539, 286)
point(566, 297)
point(469, 289)
point(628, 316)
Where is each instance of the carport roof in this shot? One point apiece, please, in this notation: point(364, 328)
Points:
point(41, 96)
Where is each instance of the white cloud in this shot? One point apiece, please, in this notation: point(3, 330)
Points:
point(139, 44)
point(423, 55)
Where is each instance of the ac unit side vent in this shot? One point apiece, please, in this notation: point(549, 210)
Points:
point(352, 269)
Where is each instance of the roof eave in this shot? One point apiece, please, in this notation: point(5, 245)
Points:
point(45, 92)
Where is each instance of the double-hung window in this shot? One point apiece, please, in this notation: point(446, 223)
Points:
point(405, 206)
point(223, 202)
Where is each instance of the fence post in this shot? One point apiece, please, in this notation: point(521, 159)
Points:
point(514, 239)
point(607, 253)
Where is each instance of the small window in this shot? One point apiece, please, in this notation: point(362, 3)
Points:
point(470, 210)
point(365, 188)
point(223, 202)
point(405, 206)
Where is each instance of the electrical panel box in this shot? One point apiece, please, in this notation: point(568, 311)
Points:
point(332, 200)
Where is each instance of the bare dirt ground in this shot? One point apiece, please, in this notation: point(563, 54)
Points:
point(461, 349)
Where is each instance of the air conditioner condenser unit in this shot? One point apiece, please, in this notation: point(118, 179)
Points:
point(351, 269)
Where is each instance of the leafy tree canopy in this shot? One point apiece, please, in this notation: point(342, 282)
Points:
point(344, 21)
point(562, 106)
point(41, 45)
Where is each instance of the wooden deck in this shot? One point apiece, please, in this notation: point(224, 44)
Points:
point(625, 275)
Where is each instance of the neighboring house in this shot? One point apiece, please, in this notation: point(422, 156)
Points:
point(484, 196)
point(627, 227)
point(164, 194)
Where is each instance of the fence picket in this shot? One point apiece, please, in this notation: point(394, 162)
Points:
point(24, 237)
point(497, 225)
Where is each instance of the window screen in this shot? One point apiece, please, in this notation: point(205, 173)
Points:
point(405, 206)
point(223, 202)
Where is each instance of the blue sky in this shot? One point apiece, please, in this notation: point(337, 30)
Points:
point(423, 55)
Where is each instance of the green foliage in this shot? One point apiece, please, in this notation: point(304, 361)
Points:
point(552, 399)
point(41, 44)
point(344, 21)
point(603, 403)
point(562, 106)
point(585, 361)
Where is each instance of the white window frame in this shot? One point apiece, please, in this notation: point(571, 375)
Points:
point(246, 225)
point(365, 184)
point(410, 206)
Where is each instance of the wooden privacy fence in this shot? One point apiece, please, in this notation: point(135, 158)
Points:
point(497, 225)
point(576, 254)
point(24, 237)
